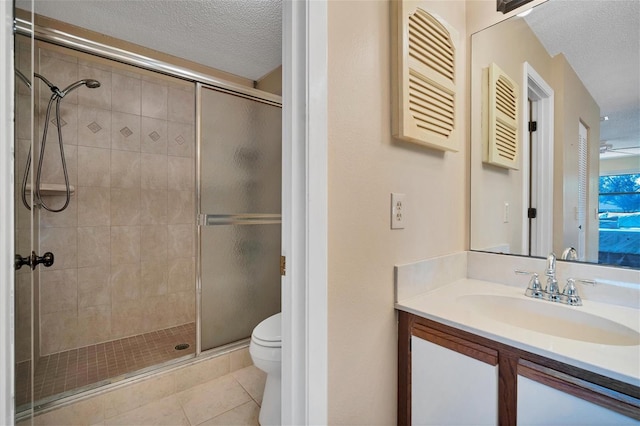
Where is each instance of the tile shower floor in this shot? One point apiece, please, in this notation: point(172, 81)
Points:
point(77, 368)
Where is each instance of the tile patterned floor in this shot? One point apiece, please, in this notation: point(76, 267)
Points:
point(77, 368)
point(233, 399)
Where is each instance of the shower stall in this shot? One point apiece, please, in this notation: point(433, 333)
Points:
point(147, 207)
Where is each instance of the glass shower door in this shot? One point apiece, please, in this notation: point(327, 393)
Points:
point(239, 215)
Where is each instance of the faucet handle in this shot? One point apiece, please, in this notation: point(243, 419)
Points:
point(570, 293)
point(534, 289)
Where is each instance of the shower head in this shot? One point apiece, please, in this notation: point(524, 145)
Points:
point(91, 84)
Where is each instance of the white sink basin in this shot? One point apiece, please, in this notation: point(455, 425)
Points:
point(551, 318)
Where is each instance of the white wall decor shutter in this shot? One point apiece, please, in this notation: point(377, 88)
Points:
point(502, 140)
point(424, 74)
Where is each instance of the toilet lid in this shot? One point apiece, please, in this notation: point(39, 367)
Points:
point(269, 330)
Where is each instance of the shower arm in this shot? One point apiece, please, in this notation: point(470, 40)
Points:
point(24, 79)
point(56, 91)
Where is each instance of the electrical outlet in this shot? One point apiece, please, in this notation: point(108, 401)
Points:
point(397, 211)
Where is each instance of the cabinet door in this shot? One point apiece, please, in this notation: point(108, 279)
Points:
point(539, 404)
point(449, 388)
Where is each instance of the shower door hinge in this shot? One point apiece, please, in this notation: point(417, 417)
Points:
point(283, 265)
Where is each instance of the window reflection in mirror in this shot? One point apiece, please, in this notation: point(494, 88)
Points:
point(619, 216)
point(577, 65)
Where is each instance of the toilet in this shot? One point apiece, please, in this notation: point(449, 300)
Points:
point(266, 352)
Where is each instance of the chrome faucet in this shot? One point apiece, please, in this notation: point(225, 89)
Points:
point(552, 290)
point(569, 294)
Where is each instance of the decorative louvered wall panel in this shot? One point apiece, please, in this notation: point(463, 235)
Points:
point(424, 78)
point(502, 140)
point(430, 45)
point(431, 107)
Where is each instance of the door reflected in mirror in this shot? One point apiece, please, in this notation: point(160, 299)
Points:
point(575, 188)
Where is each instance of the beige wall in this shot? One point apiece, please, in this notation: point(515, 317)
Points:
point(271, 82)
point(365, 166)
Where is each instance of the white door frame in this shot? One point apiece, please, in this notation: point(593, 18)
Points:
point(535, 88)
point(7, 235)
point(304, 228)
point(304, 212)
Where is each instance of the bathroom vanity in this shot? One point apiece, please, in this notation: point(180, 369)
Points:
point(486, 382)
point(476, 352)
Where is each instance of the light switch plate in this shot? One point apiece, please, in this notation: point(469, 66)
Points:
point(397, 210)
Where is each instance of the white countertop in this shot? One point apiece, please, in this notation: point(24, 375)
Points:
point(442, 305)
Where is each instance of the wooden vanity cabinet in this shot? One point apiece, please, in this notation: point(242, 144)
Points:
point(449, 376)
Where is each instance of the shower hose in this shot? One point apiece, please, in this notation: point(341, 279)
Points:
point(56, 96)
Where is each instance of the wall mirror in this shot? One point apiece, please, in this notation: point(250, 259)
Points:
point(573, 70)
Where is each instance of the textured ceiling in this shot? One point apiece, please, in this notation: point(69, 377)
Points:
point(601, 41)
point(242, 37)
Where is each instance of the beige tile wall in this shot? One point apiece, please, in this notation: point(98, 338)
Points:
point(125, 246)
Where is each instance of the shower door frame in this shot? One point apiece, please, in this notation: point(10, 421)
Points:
point(6, 217)
point(199, 80)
